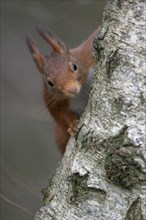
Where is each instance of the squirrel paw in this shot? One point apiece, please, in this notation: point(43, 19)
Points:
point(73, 128)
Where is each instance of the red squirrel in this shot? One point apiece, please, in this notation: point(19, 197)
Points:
point(67, 75)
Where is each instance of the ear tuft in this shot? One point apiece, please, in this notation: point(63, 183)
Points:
point(31, 44)
point(50, 37)
point(36, 54)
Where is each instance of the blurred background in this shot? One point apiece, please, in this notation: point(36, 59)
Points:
point(29, 155)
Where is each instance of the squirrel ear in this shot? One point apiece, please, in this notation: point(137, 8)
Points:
point(37, 56)
point(56, 44)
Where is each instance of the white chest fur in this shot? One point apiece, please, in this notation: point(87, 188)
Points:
point(78, 103)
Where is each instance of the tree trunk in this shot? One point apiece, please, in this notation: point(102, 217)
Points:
point(103, 172)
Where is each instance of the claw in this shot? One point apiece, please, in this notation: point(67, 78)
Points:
point(73, 128)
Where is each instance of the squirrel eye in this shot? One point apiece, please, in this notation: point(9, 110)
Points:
point(50, 83)
point(74, 67)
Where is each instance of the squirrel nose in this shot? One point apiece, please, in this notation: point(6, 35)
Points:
point(73, 90)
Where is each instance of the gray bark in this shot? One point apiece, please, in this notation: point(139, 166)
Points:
point(103, 172)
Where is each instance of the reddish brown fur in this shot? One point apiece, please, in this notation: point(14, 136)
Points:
point(57, 68)
point(84, 54)
point(63, 118)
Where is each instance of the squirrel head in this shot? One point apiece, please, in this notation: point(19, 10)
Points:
point(61, 72)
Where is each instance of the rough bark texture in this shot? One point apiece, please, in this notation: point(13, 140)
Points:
point(103, 172)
